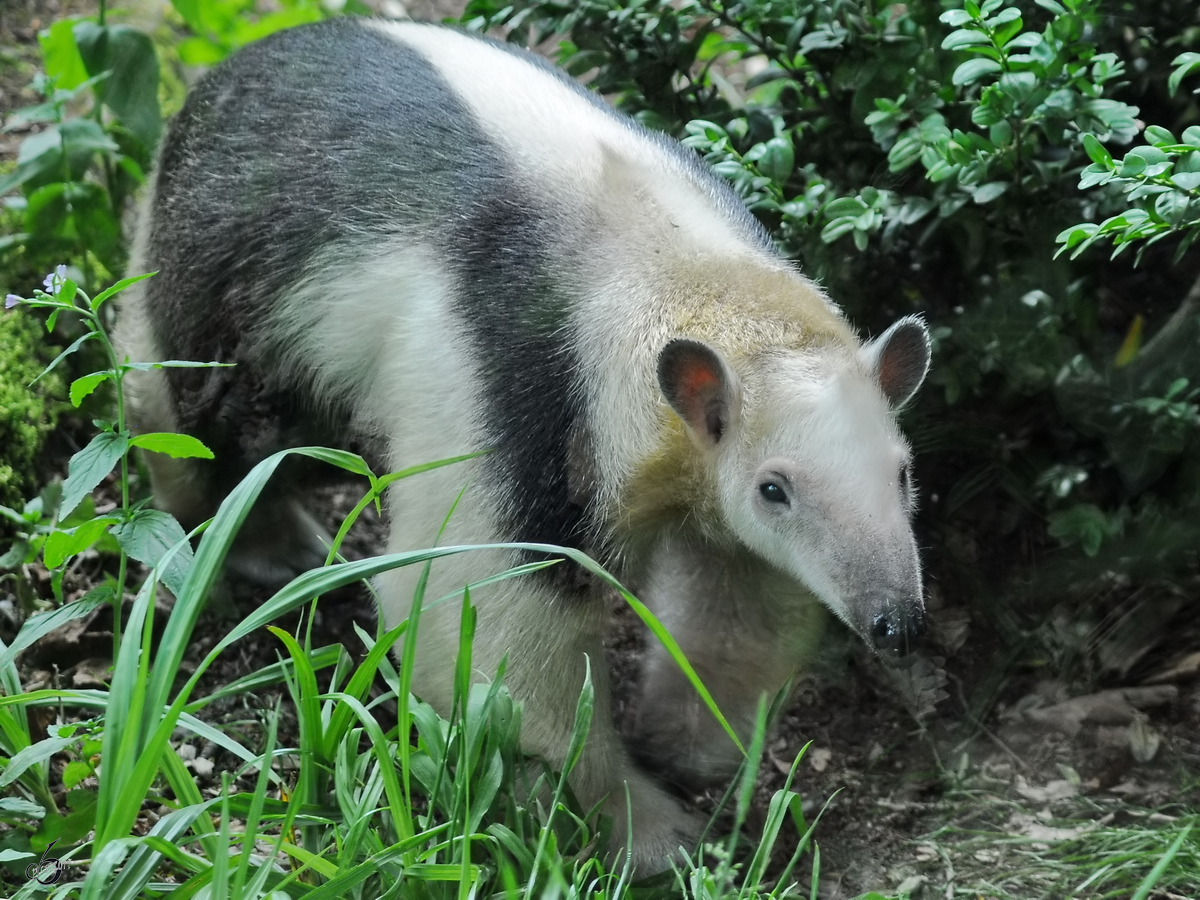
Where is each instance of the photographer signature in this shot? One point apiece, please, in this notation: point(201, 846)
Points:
point(45, 871)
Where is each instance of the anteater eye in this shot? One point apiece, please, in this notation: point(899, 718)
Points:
point(773, 493)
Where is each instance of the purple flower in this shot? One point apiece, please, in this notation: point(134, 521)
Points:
point(12, 300)
point(55, 279)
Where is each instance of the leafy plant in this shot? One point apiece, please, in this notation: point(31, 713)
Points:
point(1164, 175)
point(76, 173)
point(221, 26)
point(141, 533)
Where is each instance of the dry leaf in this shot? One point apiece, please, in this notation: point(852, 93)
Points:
point(819, 758)
point(1114, 707)
point(1184, 666)
point(1059, 789)
point(1144, 741)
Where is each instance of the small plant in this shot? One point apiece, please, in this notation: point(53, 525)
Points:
point(141, 533)
point(77, 172)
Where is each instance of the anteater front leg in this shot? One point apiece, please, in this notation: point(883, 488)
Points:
point(744, 627)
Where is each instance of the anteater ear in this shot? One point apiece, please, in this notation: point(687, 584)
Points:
point(700, 387)
point(899, 359)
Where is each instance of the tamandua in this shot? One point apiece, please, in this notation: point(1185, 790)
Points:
point(415, 240)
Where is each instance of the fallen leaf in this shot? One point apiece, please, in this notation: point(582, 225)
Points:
point(949, 628)
point(1144, 741)
point(1183, 667)
point(1113, 707)
point(1039, 832)
point(1059, 789)
point(819, 758)
point(92, 673)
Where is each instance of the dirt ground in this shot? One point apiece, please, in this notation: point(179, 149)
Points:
point(913, 762)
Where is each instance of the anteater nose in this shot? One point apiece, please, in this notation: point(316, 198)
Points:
point(897, 632)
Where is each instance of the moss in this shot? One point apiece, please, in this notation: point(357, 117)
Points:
point(27, 414)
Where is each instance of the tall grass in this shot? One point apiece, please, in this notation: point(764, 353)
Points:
point(422, 807)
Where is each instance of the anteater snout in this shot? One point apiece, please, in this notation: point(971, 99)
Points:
point(898, 630)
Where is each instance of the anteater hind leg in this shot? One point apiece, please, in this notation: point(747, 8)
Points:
point(278, 540)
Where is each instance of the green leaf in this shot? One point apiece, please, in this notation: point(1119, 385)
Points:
point(1000, 133)
point(33, 755)
point(65, 543)
point(82, 387)
point(777, 160)
point(147, 537)
point(915, 209)
point(74, 826)
point(81, 140)
point(131, 90)
point(844, 206)
point(190, 11)
point(1084, 524)
point(1186, 64)
point(837, 228)
point(972, 70)
point(177, 446)
point(1096, 151)
point(74, 345)
point(1189, 181)
point(90, 466)
point(988, 192)
point(74, 772)
point(118, 287)
point(955, 18)
point(965, 37)
point(60, 55)
point(1191, 135)
point(1158, 135)
point(14, 808)
point(904, 153)
point(40, 625)
point(1133, 164)
point(1023, 41)
point(1094, 175)
point(198, 51)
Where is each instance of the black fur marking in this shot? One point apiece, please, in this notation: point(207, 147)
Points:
point(318, 136)
point(515, 296)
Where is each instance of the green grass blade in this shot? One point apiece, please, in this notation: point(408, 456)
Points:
point(119, 800)
point(267, 676)
point(1160, 867)
point(252, 819)
point(358, 687)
